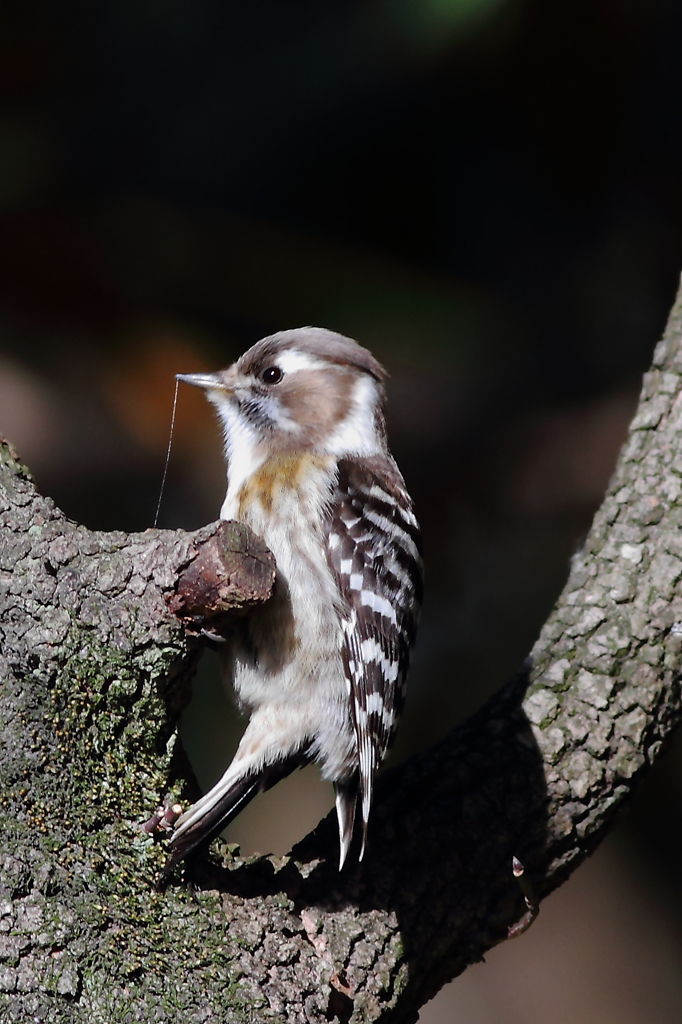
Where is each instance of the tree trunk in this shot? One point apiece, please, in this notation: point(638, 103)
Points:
point(100, 634)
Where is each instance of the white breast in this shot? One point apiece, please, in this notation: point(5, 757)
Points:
point(291, 655)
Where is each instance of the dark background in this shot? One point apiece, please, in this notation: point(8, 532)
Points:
point(487, 194)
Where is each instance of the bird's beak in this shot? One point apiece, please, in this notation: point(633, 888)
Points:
point(211, 381)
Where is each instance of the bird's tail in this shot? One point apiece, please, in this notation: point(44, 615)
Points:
point(208, 816)
point(346, 801)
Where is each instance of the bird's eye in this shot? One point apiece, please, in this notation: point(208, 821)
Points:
point(271, 375)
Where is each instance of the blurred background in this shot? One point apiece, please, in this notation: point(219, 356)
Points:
point(488, 194)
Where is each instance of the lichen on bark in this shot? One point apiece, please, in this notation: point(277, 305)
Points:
point(100, 634)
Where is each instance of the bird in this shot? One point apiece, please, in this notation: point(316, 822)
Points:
point(321, 667)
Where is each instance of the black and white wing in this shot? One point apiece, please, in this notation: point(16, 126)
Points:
point(375, 554)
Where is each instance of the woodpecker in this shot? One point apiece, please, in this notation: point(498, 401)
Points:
point(322, 666)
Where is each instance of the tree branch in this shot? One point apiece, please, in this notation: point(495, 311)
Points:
point(100, 634)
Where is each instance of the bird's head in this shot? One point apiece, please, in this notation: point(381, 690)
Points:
point(300, 390)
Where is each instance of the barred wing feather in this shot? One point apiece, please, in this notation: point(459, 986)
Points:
point(374, 551)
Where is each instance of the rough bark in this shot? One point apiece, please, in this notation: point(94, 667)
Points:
point(100, 634)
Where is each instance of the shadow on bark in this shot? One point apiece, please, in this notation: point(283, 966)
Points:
point(444, 829)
